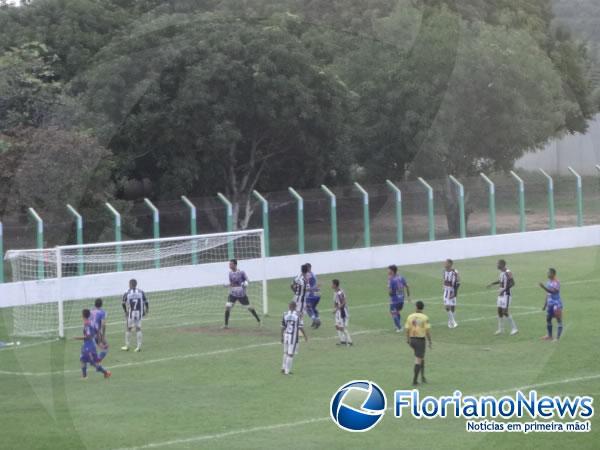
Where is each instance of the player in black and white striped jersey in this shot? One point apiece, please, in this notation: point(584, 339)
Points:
point(291, 328)
point(451, 283)
point(300, 287)
point(135, 305)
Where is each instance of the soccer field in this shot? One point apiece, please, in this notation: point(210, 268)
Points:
point(198, 386)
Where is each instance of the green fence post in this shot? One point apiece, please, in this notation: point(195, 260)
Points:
point(193, 227)
point(39, 239)
point(333, 214)
point(155, 230)
point(265, 220)
point(491, 202)
point(229, 219)
point(461, 206)
point(366, 218)
point(1, 254)
point(117, 218)
point(78, 237)
point(579, 197)
point(551, 218)
point(430, 209)
point(399, 229)
point(300, 202)
point(522, 223)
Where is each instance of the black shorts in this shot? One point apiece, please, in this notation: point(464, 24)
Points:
point(243, 300)
point(418, 345)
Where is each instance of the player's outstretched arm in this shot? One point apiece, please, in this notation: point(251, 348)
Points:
point(493, 284)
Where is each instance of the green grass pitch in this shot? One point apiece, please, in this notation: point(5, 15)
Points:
point(197, 386)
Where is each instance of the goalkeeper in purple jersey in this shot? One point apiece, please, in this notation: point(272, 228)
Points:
point(238, 282)
point(88, 349)
point(98, 319)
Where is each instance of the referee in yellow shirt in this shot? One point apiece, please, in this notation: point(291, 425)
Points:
point(417, 329)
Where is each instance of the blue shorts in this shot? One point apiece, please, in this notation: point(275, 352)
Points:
point(88, 356)
point(396, 307)
point(313, 301)
point(552, 310)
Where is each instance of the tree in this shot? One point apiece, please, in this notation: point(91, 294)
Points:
point(222, 105)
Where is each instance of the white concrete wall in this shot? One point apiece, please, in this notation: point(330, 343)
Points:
point(165, 279)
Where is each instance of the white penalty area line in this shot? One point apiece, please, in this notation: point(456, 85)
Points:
point(207, 437)
point(231, 350)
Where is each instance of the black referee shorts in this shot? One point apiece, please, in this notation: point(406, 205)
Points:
point(418, 345)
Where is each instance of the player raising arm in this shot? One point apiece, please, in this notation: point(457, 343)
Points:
point(506, 282)
point(553, 304)
point(135, 305)
point(88, 353)
point(340, 309)
point(238, 282)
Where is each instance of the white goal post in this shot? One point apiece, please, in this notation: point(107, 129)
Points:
point(183, 277)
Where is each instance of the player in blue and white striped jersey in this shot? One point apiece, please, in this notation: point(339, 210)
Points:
point(300, 287)
point(291, 328)
point(135, 305)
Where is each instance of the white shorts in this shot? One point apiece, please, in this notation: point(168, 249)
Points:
point(289, 346)
point(341, 322)
point(134, 320)
point(450, 301)
point(504, 301)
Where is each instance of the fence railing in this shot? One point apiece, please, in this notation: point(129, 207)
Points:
point(331, 218)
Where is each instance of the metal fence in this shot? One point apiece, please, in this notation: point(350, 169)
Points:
point(335, 217)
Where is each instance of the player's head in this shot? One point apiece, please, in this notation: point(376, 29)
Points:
point(98, 303)
point(292, 306)
point(304, 268)
point(233, 264)
point(132, 283)
point(551, 273)
point(448, 264)
point(420, 305)
point(501, 264)
point(308, 266)
point(392, 270)
point(335, 284)
point(85, 314)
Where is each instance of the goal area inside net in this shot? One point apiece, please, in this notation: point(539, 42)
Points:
point(184, 278)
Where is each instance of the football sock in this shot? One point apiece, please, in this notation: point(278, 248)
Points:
point(139, 338)
point(348, 338)
point(99, 368)
point(417, 370)
point(288, 366)
point(227, 312)
point(342, 336)
point(500, 324)
point(253, 312)
point(283, 363)
point(84, 370)
point(397, 322)
point(549, 327)
point(560, 329)
point(512, 322)
point(423, 370)
point(127, 337)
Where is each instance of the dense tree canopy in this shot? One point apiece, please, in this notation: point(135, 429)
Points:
point(204, 96)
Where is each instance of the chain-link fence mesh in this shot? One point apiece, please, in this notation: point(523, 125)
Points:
point(59, 226)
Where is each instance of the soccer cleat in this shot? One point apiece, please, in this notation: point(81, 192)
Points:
point(350, 344)
point(415, 383)
point(454, 325)
point(107, 374)
point(341, 344)
point(514, 331)
point(424, 380)
point(450, 325)
point(498, 331)
point(125, 348)
point(398, 330)
point(84, 377)
point(546, 338)
point(225, 327)
point(138, 349)
point(555, 340)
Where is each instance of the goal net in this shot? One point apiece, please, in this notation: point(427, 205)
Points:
point(184, 279)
